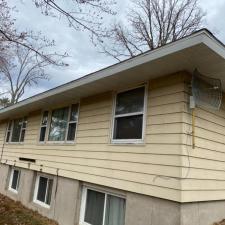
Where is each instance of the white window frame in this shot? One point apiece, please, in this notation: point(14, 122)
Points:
point(41, 126)
point(70, 122)
point(84, 200)
point(67, 127)
point(144, 113)
point(11, 179)
point(35, 200)
point(11, 131)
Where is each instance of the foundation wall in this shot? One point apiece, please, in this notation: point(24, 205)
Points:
point(140, 209)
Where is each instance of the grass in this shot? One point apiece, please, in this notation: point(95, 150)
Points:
point(14, 213)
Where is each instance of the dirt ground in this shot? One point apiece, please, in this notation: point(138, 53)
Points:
point(14, 213)
point(220, 223)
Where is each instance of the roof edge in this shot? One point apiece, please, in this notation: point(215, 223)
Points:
point(200, 36)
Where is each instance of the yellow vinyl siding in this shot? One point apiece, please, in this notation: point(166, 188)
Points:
point(204, 166)
point(164, 166)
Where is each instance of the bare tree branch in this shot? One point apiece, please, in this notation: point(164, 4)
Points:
point(80, 14)
point(150, 24)
point(21, 70)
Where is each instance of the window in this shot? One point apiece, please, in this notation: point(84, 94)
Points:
point(16, 130)
point(43, 191)
point(57, 130)
point(62, 126)
point(44, 124)
point(101, 208)
point(14, 180)
point(72, 124)
point(129, 115)
point(9, 130)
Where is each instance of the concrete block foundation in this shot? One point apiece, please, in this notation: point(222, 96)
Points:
point(140, 209)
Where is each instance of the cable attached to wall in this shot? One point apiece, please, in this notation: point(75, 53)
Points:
point(56, 188)
point(3, 145)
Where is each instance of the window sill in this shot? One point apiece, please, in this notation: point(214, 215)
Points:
point(57, 143)
point(39, 203)
point(13, 191)
point(14, 143)
point(127, 142)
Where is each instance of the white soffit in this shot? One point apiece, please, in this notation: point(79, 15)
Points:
point(200, 50)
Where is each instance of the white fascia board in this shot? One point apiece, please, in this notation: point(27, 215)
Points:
point(202, 36)
point(214, 44)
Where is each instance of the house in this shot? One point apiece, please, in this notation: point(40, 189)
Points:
point(116, 147)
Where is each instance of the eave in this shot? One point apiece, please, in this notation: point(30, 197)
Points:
point(200, 50)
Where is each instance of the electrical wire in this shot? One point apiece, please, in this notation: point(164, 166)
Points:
point(3, 145)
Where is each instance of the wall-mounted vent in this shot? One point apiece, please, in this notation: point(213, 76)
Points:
point(206, 92)
point(27, 159)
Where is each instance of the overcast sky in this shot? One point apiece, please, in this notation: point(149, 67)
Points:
point(84, 57)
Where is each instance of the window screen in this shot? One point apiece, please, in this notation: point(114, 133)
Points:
point(17, 126)
point(15, 179)
point(72, 122)
point(44, 190)
point(104, 208)
point(129, 113)
point(115, 210)
point(44, 124)
point(9, 130)
point(94, 207)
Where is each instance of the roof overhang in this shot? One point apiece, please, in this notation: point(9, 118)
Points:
point(200, 50)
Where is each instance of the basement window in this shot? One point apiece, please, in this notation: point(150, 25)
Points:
point(16, 130)
point(100, 208)
point(43, 191)
point(129, 115)
point(14, 180)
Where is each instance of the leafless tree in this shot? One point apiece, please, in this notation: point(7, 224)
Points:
point(23, 68)
point(150, 24)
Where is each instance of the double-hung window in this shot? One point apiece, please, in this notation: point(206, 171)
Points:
point(16, 130)
point(128, 124)
point(14, 180)
point(44, 124)
point(100, 208)
point(72, 123)
point(43, 191)
point(62, 125)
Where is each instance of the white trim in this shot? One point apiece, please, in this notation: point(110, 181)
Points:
point(35, 200)
point(104, 210)
point(84, 201)
point(70, 122)
point(9, 131)
point(143, 112)
point(41, 126)
point(11, 180)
